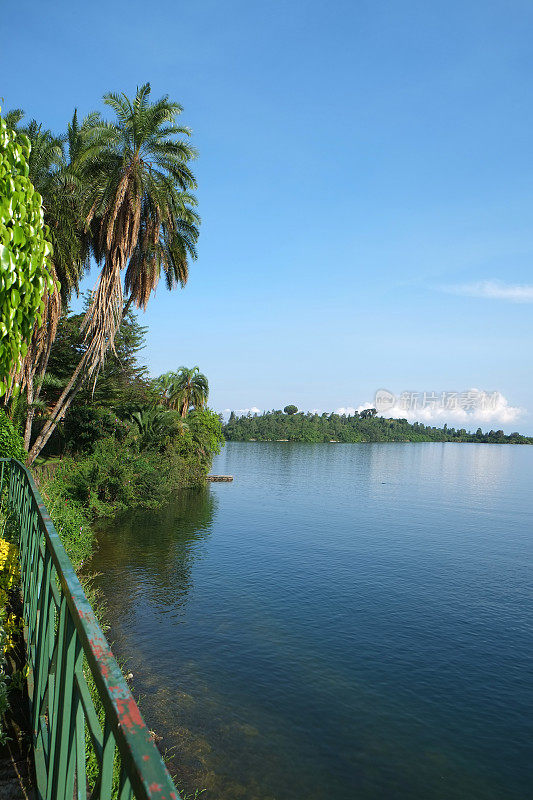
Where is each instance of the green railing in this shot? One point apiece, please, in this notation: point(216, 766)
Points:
point(89, 738)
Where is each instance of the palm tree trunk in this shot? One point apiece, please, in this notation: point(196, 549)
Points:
point(33, 394)
point(30, 413)
point(58, 412)
point(62, 405)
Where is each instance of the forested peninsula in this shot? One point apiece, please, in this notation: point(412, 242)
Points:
point(296, 426)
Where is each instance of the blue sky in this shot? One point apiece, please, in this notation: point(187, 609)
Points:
point(365, 184)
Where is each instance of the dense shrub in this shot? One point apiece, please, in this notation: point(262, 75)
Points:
point(86, 425)
point(70, 519)
point(205, 427)
point(11, 442)
point(120, 474)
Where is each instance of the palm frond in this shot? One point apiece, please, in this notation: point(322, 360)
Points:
point(13, 117)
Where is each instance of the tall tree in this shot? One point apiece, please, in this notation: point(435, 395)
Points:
point(140, 216)
point(192, 389)
point(122, 380)
point(182, 389)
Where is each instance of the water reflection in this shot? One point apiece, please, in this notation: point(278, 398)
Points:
point(148, 556)
point(342, 620)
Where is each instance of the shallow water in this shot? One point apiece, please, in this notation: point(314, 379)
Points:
point(348, 621)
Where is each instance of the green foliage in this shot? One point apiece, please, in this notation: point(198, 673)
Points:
point(11, 443)
point(368, 413)
point(10, 624)
point(62, 197)
point(130, 182)
point(24, 253)
point(290, 409)
point(156, 427)
point(122, 381)
point(100, 482)
point(87, 424)
point(183, 389)
point(363, 427)
point(205, 428)
point(140, 207)
point(69, 517)
point(120, 474)
point(122, 451)
point(122, 386)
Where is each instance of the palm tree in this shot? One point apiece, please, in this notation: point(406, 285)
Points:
point(189, 388)
point(162, 388)
point(182, 389)
point(48, 164)
point(140, 216)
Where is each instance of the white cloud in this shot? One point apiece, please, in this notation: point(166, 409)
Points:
point(350, 410)
point(495, 290)
point(240, 412)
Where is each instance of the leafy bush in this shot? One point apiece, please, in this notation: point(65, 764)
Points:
point(141, 470)
point(156, 428)
point(205, 427)
point(11, 442)
point(116, 476)
point(86, 425)
point(70, 519)
point(94, 483)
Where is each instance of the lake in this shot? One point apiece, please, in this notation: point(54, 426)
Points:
point(343, 620)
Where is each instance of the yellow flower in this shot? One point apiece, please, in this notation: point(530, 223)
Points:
point(9, 564)
point(9, 576)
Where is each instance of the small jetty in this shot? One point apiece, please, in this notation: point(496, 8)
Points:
point(220, 478)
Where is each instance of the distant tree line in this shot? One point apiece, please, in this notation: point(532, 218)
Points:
point(293, 426)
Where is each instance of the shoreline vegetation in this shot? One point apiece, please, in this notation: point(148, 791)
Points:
point(130, 441)
point(291, 425)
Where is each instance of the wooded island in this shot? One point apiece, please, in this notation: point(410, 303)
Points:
point(297, 426)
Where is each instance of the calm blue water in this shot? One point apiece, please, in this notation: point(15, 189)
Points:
point(347, 621)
